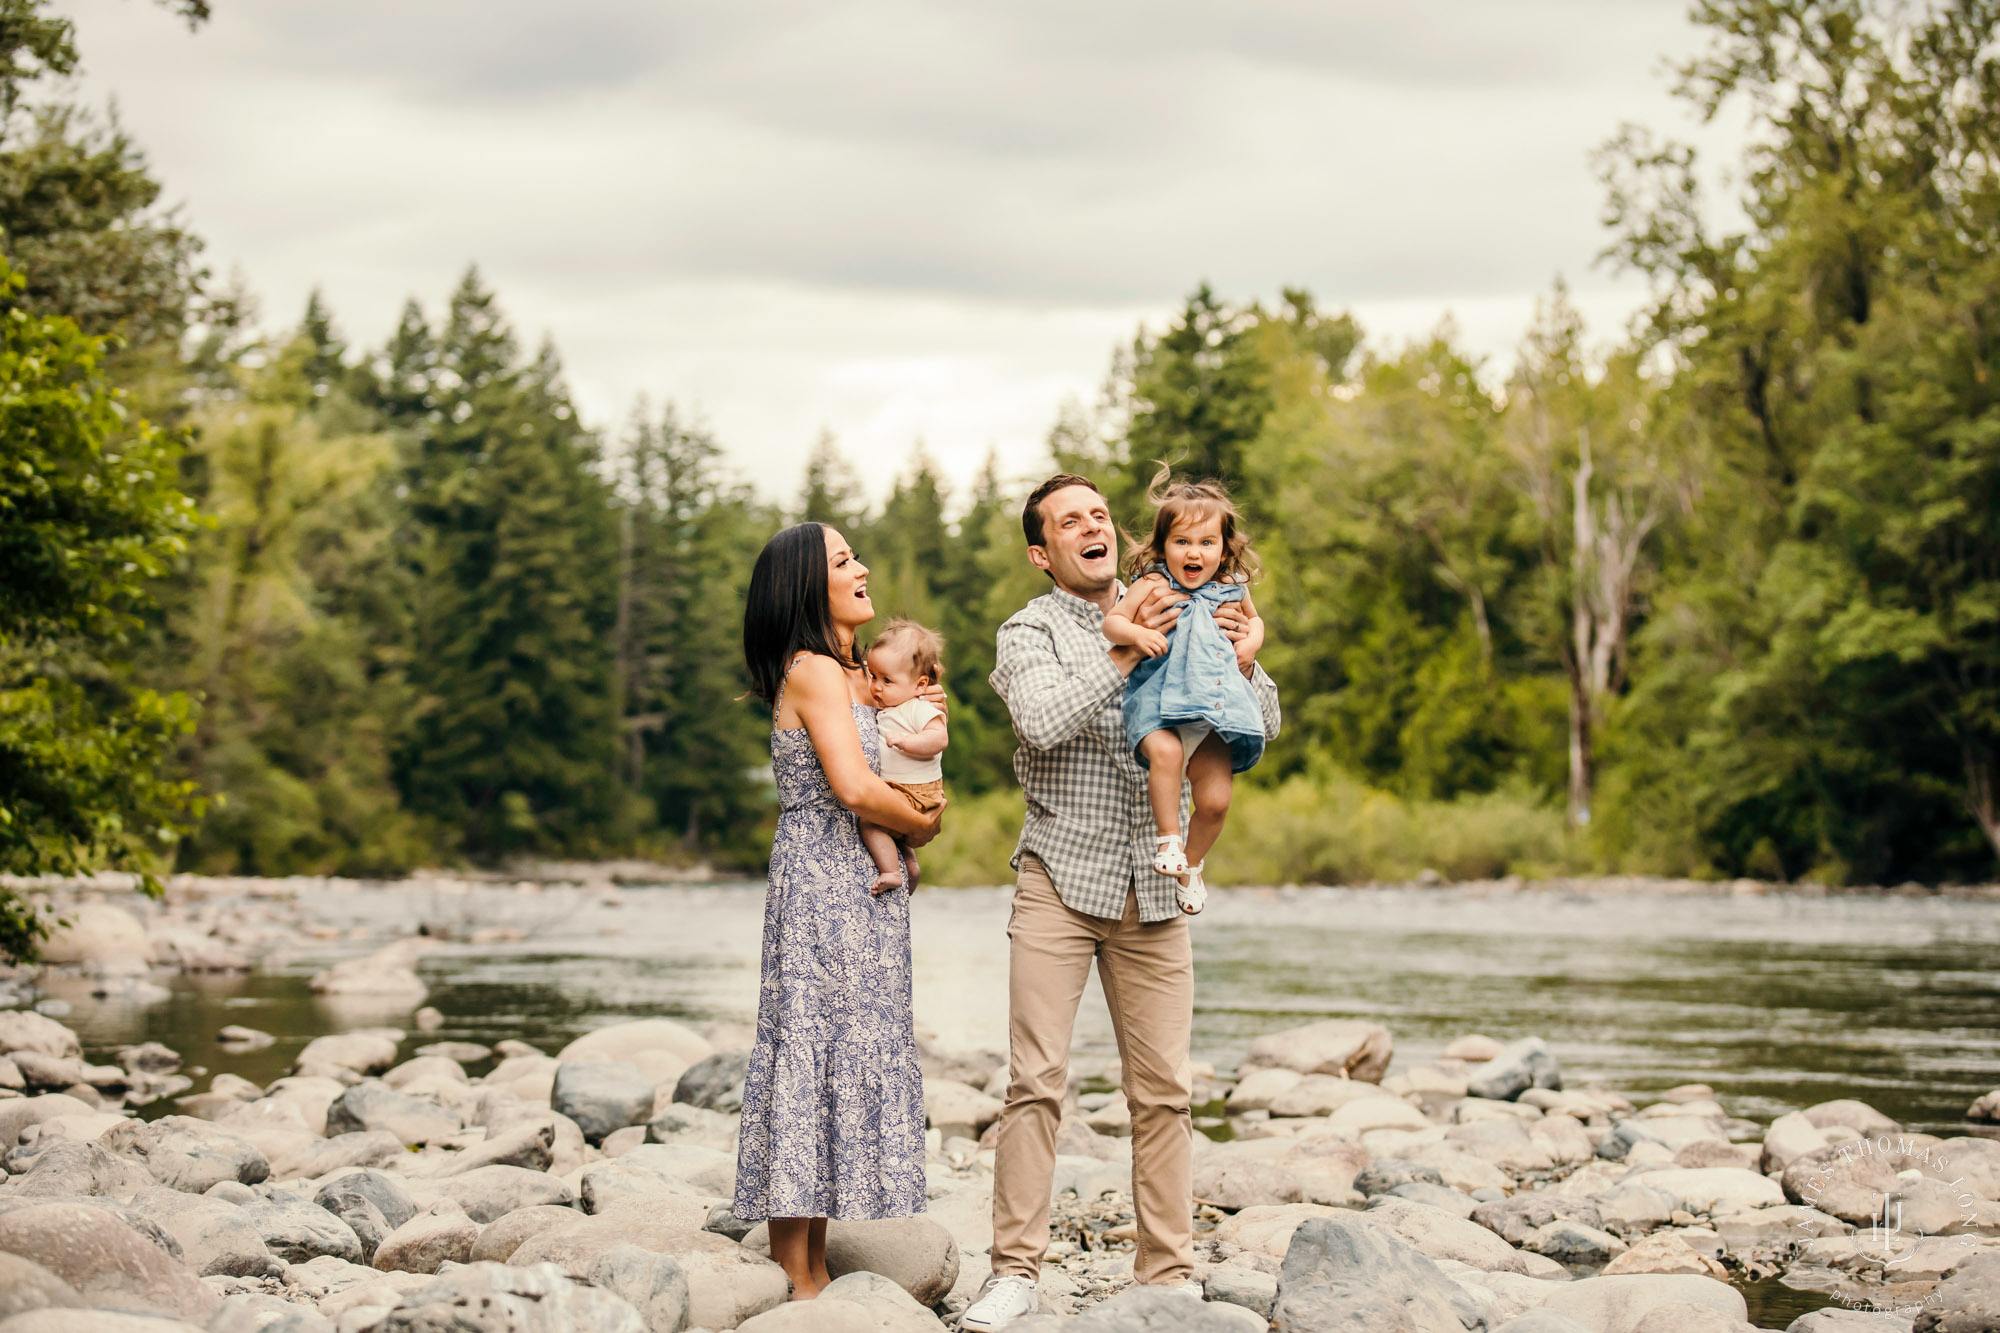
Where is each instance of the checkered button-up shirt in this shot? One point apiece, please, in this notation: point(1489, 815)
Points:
point(1088, 817)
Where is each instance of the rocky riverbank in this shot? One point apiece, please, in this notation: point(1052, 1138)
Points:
point(388, 1183)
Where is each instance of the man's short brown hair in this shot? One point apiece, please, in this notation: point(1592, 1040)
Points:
point(1031, 513)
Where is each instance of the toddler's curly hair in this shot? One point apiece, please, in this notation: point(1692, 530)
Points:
point(1175, 502)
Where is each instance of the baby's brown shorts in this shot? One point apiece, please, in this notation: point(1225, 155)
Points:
point(923, 797)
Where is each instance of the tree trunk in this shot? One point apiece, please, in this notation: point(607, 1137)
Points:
point(1583, 636)
point(1982, 791)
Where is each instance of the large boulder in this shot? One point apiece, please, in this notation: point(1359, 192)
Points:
point(958, 1111)
point(26, 1030)
point(66, 1168)
point(870, 1303)
point(1967, 1301)
point(1858, 1116)
point(482, 1297)
point(1439, 1235)
point(682, 1123)
point(1837, 1180)
point(1974, 1161)
point(1347, 1275)
point(1347, 1047)
point(1269, 1230)
point(1236, 1181)
point(1137, 1309)
point(915, 1253)
point(575, 1244)
point(374, 1106)
point(727, 1283)
point(428, 1240)
point(100, 938)
point(623, 1041)
point(1704, 1189)
point(108, 1263)
point(365, 1051)
point(492, 1192)
point(531, 1146)
point(184, 1153)
point(297, 1230)
point(216, 1240)
point(1515, 1219)
point(26, 1285)
point(653, 1284)
point(1320, 1094)
point(715, 1082)
point(381, 1190)
point(498, 1240)
point(387, 977)
point(1622, 1304)
point(17, 1113)
point(601, 1096)
point(654, 1169)
point(97, 1321)
point(1521, 1065)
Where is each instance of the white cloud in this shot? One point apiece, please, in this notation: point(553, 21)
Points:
point(895, 219)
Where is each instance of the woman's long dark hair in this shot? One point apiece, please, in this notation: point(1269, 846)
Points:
point(787, 610)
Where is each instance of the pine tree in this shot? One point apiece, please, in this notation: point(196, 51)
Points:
point(514, 557)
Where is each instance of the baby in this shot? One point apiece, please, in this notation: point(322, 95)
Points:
point(1188, 708)
point(903, 658)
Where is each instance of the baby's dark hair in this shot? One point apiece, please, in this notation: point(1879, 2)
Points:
point(924, 645)
point(1183, 501)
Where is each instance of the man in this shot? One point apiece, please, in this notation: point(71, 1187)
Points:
point(1086, 889)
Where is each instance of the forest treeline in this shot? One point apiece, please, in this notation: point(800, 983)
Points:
point(1720, 597)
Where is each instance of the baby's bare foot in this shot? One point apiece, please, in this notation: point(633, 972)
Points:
point(886, 880)
point(915, 869)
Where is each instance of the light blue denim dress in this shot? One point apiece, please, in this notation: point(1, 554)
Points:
point(1196, 682)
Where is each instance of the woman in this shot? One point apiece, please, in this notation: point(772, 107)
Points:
point(833, 1103)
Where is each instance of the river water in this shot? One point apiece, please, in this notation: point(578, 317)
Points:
point(1776, 1000)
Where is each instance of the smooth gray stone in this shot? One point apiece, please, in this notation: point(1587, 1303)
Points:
point(1527, 1063)
point(715, 1083)
point(601, 1096)
point(1350, 1275)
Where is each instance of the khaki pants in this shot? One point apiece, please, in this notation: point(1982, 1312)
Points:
point(1148, 976)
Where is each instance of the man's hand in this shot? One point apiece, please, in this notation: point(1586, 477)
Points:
point(932, 693)
point(1244, 630)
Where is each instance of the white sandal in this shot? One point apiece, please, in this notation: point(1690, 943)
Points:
point(1193, 895)
point(1170, 858)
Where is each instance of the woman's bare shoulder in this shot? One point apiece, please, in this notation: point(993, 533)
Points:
point(816, 673)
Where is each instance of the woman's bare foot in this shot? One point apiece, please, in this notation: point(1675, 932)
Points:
point(805, 1291)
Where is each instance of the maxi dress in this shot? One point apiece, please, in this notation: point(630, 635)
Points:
point(833, 1100)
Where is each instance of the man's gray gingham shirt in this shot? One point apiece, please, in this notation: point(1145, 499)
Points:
point(1088, 817)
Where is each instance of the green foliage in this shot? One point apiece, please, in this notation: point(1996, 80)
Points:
point(89, 518)
point(693, 735)
point(509, 537)
point(1817, 693)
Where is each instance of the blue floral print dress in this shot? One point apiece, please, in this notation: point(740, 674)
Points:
point(833, 1102)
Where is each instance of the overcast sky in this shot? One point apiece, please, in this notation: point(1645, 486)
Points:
point(897, 221)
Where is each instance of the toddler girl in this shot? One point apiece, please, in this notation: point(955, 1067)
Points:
point(904, 657)
point(1188, 707)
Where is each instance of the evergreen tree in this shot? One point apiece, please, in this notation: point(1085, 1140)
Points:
point(513, 549)
point(693, 738)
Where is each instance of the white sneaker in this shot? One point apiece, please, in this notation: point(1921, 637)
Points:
point(1005, 1300)
point(1189, 1288)
point(1193, 894)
